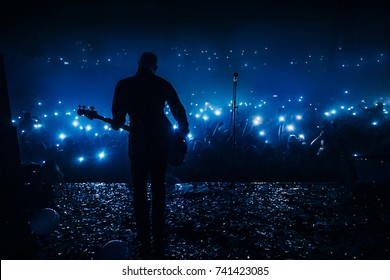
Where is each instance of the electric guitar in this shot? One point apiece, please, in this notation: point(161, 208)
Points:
point(178, 144)
point(92, 114)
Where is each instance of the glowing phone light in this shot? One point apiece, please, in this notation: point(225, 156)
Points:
point(257, 120)
point(290, 127)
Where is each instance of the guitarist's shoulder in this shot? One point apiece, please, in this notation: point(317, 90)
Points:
point(126, 80)
point(163, 82)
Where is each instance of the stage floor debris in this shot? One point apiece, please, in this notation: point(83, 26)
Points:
point(211, 220)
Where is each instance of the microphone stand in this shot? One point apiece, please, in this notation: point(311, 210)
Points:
point(235, 107)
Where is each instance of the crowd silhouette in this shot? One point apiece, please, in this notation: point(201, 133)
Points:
point(319, 148)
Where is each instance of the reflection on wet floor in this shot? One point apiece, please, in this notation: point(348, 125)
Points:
point(214, 220)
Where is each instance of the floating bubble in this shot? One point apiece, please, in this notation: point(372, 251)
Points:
point(45, 221)
point(114, 250)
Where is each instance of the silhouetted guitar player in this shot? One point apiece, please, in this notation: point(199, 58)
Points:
point(143, 98)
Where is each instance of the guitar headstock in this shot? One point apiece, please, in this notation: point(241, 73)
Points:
point(90, 113)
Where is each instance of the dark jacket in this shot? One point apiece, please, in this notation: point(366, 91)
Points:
point(143, 97)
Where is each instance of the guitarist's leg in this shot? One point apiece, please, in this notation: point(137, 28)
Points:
point(157, 175)
point(139, 170)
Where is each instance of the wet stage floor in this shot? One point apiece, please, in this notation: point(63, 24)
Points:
point(257, 220)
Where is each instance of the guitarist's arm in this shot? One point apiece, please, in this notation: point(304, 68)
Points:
point(178, 111)
point(118, 108)
point(108, 120)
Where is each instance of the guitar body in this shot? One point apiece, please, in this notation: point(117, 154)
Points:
point(177, 149)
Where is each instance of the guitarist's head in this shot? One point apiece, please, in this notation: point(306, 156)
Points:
point(148, 62)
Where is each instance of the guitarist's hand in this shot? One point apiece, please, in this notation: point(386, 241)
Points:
point(183, 133)
point(115, 125)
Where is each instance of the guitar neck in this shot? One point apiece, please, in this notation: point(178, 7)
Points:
point(109, 121)
point(92, 114)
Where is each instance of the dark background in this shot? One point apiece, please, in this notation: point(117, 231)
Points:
point(37, 34)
